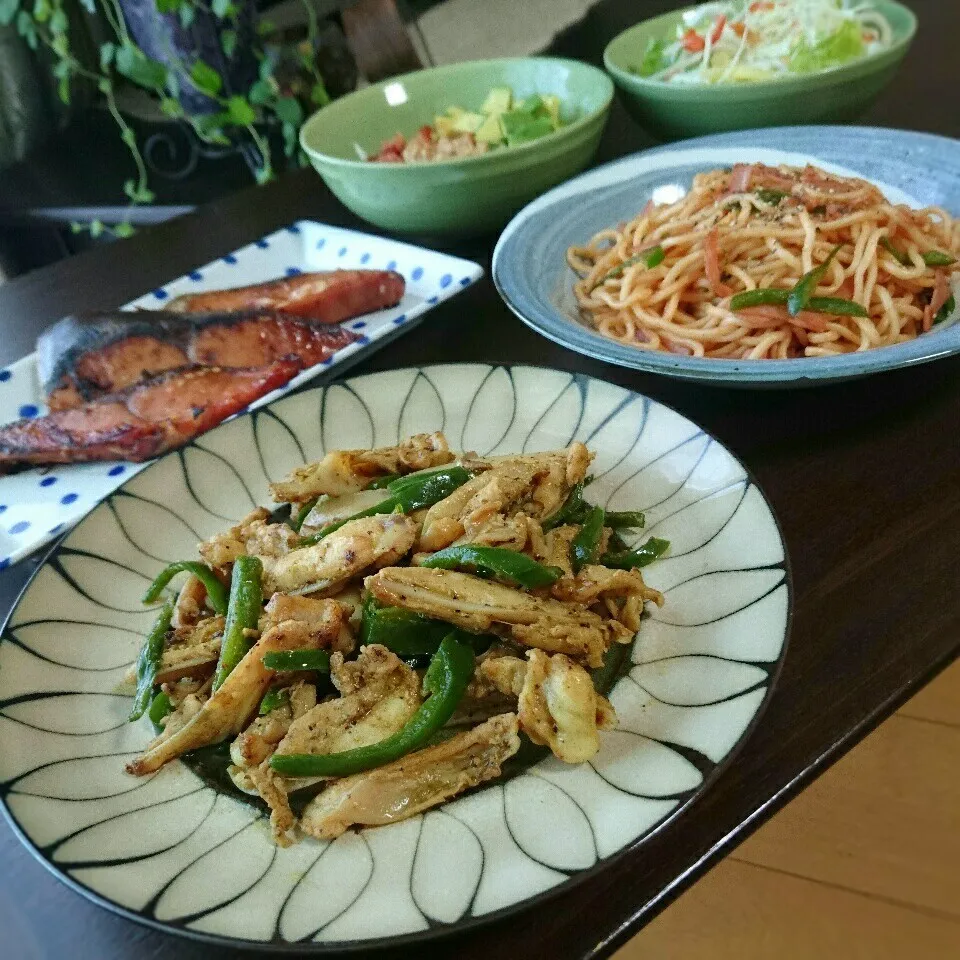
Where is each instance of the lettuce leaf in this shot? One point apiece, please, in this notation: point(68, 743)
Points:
point(653, 59)
point(841, 46)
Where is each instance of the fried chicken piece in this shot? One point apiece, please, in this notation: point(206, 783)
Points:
point(357, 546)
point(191, 603)
point(229, 709)
point(192, 651)
point(259, 740)
point(557, 704)
point(414, 783)
point(254, 535)
point(479, 605)
point(342, 472)
point(320, 622)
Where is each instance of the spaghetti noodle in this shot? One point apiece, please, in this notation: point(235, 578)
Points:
point(765, 262)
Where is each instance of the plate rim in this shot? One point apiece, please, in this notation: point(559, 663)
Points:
point(545, 320)
point(435, 931)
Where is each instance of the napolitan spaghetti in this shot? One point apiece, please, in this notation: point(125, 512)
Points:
point(764, 262)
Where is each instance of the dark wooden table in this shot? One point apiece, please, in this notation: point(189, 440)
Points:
point(864, 476)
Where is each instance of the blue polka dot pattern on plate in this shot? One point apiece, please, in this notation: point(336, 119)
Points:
point(161, 294)
point(293, 271)
point(195, 275)
point(341, 251)
point(3, 508)
point(362, 340)
point(432, 300)
point(293, 228)
point(230, 258)
point(359, 325)
point(392, 265)
point(5, 375)
point(4, 563)
point(56, 529)
point(446, 280)
point(29, 410)
point(116, 471)
point(365, 258)
point(20, 527)
point(466, 281)
point(263, 243)
point(48, 481)
point(68, 498)
point(417, 273)
point(321, 243)
point(400, 319)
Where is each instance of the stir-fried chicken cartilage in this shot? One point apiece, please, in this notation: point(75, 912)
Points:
point(259, 740)
point(359, 545)
point(348, 471)
point(192, 651)
point(227, 712)
point(414, 783)
point(254, 535)
point(379, 694)
point(479, 605)
point(557, 703)
point(623, 590)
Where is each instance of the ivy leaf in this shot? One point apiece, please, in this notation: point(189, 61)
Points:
point(8, 10)
point(107, 53)
point(205, 78)
point(104, 85)
point(168, 6)
point(228, 41)
point(188, 14)
point(173, 83)
point(171, 107)
point(288, 109)
point(289, 139)
point(210, 127)
point(89, 6)
point(222, 9)
point(63, 90)
point(41, 11)
point(27, 29)
point(96, 228)
point(125, 229)
point(263, 174)
point(319, 95)
point(136, 66)
point(266, 68)
point(240, 112)
point(138, 193)
point(260, 93)
point(62, 70)
point(59, 22)
point(60, 44)
point(266, 26)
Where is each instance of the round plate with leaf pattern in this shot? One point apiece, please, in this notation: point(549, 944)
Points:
point(181, 851)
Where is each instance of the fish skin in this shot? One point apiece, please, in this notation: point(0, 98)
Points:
point(323, 297)
point(143, 421)
point(84, 358)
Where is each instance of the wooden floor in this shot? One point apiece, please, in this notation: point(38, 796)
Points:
point(863, 865)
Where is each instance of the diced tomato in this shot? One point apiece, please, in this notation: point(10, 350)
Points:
point(759, 5)
point(739, 28)
point(693, 42)
point(426, 131)
point(718, 28)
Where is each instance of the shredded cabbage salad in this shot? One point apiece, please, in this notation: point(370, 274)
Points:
point(746, 42)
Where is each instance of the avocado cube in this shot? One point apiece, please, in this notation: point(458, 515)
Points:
point(498, 101)
point(490, 130)
point(467, 122)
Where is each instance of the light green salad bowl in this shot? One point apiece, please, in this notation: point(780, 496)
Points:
point(671, 111)
point(463, 196)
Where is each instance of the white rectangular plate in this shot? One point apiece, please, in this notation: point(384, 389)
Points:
point(38, 505)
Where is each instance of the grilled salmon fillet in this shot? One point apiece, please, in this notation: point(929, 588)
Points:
point(84, 358)
point(147, 419)
point(327, 297)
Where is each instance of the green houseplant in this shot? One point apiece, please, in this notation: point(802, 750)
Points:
point(208, 63)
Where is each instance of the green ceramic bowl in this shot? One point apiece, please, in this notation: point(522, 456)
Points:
point(672, 112)
point(466, 196)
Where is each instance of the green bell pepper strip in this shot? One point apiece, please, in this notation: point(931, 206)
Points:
point(570, 510)
point(302, 514)
point(160, 706)
point(277, 697)
point(806, 286)
point(649, 258)
point(640, 557)
point(411, 636)
point(409, 496)
point(243, 612)
point(760, 297)
point(937, 258)
point(768, 195)
point(148, 660)
point(495, 562)
point(445, 682)
point(899, 255)
point(838, 306)
point(624, 519)
point(946, 309)
point(586, 544)
point(216, 592)
point(305, 659)
point(381, 482)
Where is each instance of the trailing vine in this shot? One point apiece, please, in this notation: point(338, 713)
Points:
point(45, 24)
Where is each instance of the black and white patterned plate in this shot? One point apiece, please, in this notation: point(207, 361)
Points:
point(174, 851)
